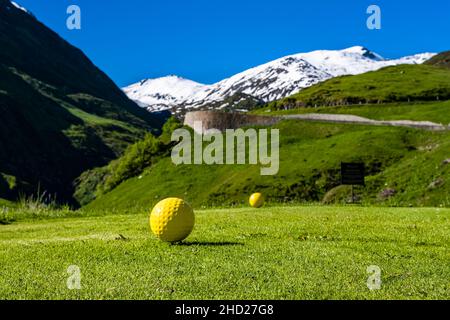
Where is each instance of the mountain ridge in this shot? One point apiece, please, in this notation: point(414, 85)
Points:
point(267, 82)
point(440, 60)
point(60, 114)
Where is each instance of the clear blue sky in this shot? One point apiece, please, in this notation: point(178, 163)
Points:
point(208, 40)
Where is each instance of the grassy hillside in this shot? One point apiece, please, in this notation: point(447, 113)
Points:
point(5, 203)
point(440, 60)
point(271, 253)
point(136, 158)
point(438, 112)
point(406, 160)
point(60, 115)
point(403, 83)
point(406, 167)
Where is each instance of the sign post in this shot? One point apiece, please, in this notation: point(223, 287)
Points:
point(352, 174)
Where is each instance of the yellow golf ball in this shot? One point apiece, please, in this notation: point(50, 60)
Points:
point(172, 220)
point(256, 200)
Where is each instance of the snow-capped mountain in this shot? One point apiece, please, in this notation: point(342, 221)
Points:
point(270, 81)
point(356, 60)
point(162, 92)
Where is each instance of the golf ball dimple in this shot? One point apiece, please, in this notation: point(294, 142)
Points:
point(256, 200)
point(172, 220)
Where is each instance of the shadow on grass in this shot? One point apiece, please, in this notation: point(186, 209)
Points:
point(209, 244)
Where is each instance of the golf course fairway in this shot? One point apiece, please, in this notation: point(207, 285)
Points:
point(290, 252)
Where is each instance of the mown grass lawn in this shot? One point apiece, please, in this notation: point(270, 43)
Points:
point(272, 253)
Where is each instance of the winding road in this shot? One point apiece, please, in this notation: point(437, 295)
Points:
point(352, 119)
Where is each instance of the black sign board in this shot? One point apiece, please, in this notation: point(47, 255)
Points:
point(352, 173)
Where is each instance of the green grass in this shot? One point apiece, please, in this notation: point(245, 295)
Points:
point(271, 253)
point(100, 121)
point(441, 60)
point(438, 112)
point(6, 203)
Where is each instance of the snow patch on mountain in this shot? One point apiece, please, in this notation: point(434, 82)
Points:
point(271, 81)
point(12, 5)
point(18, 6)
point(267, 82)
point(163, 93)
point(356, 60)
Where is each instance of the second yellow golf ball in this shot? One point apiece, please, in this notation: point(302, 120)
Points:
point(172, 220)
point(256, 200)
